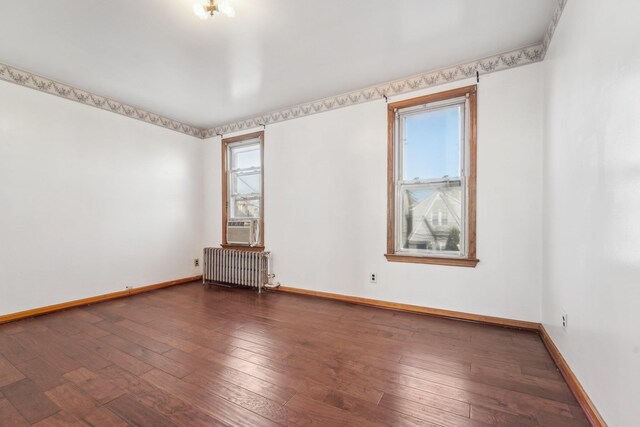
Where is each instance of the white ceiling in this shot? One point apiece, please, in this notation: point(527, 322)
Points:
point(157, 55)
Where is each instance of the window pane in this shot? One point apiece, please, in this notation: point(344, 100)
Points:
point(247, 183)
point(432, 218)
point(245, 208)
point(431, 146)
point(245, 156)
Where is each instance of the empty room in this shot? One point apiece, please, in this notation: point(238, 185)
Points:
point(319, 213)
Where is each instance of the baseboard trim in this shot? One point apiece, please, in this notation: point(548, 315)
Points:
point(580, 394)
point(91, 300)
point(457, 315)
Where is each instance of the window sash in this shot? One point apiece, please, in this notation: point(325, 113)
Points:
point(234, 177)
point(233, 214)
point(401, 184)
point(400, 218)
point(234, 173)
point(237, 146)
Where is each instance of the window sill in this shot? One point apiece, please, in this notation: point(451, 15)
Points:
point(243, 248)
point(455, 262)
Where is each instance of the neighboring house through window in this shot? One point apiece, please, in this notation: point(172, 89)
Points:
point(432, 179)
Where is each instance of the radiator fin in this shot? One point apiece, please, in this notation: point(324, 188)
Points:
point(236, 267)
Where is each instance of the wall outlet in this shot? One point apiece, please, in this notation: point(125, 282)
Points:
point(196, 262)
point(373, 278)
point(565, 320)
point(129, 288)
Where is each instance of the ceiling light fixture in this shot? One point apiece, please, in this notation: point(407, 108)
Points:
point(205, 9)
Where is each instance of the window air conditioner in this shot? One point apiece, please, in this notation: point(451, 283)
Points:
point(242, 232)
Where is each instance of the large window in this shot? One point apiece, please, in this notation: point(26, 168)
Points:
point(432, 179)
point(242, 191)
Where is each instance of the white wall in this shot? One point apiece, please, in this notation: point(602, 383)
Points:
point(592, 201)
point(325, 204)
point(91, 201)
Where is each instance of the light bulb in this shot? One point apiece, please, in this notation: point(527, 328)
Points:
point(205, 9)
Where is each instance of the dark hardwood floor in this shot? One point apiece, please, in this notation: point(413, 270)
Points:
point(190, 356)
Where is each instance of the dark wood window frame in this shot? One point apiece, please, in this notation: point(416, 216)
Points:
point(225, 188)
point(470, 260)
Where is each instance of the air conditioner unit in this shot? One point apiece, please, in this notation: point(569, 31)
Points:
point(242, 232)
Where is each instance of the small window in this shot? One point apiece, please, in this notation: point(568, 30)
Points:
point(432, 179)
point(242, 188)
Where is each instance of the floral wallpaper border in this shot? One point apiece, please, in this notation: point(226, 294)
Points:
point(52, 87)
point(524, 56)
point(527, 55)
point(420, 81)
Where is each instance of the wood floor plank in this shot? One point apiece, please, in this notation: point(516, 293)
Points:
point(489, 396)
point(85, 357)
point(215, 406)
point(102, 416)
point(97, 386)
point(13, 350)
point(189, 356)
point(72, 400)
point(219, 373)
point(9, 416)
point(447, 400)
point(8, 373)
point(306, 386)
point(578, 419)
point(432, 381)
point(62, 323)
point(427, 413)
point(129, 335)
point(14, 327)
point(342, 378)
point(29, 400)
point(129, 409)
point(458, 368)
point(41, 373)
point(103, 312)
point(173, 342)
point(44, 347)
point(371, 412)
point(494, 417)
point(247, 399)
point(553, 374)
point(61, 419)
point(324, 414)
point(171, 407)
point(116, 356)
point(147, 356)
point(84, 316)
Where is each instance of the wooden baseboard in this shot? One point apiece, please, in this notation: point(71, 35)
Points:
point(580, 394)
point(458, 315)
point(85, 301)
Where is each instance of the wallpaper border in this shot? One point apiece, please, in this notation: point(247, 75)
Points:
point(524, 56)
point(52, 87)
point(499, 62)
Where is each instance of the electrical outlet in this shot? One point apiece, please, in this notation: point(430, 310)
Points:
point(196, 262)
point(373, 278)
point(129, 288)
point(565, 320)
